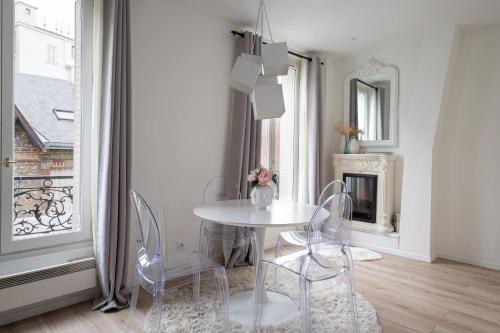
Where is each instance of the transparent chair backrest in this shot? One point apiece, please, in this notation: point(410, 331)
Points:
point(215, 191)
point(336, 186)
point(148, 234)
point(330, 224)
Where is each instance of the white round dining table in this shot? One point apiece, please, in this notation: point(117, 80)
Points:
point(281, 213)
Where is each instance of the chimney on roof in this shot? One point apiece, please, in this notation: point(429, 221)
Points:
point(25, 13)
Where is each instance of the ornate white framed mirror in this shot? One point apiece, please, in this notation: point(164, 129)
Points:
point(371, 104)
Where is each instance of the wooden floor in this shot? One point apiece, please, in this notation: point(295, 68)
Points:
point(409, 296)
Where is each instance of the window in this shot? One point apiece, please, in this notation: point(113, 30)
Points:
point(51, 54)
point(64, 114)
point(278, 135)
point(45, 123)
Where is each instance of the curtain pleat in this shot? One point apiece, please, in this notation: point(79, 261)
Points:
point(314, 110)
point(112, 223)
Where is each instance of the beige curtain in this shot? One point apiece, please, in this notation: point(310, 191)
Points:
point(244, 152)
point(112, 224)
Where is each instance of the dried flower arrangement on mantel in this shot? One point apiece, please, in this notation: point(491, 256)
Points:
point(349, 133)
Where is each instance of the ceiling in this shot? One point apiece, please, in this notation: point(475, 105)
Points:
point(346, 27)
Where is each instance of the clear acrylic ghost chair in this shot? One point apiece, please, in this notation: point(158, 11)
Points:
point(329, 229)
point(299, 238)
point(152, 271)
point(215, 236)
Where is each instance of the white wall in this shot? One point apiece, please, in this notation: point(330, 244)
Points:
point(422, 64)
point(467, 162)
point(181, 61)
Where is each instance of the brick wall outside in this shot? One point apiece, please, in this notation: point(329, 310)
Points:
point(32, 161)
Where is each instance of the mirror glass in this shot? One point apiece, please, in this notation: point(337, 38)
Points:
point(369, 106)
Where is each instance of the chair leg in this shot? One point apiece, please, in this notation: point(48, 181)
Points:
point(133, 307)
point(277, 250)
point(224, 296)
point(352, 302)
point(253, 251)
point(305, 300)
point(260, 282)
point(351, 264)
point(201, 238)
point(277, 253)
point(158, 293)
point(349, 281)
point(209, 248)
point(196, 282)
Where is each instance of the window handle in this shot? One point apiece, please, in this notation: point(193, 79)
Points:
point(7, 161)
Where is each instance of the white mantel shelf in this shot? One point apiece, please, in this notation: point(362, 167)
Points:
point(368, 156)
point(381, 165)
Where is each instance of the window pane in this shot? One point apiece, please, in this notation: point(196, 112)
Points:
point(277, 149)
point(285, 137)
point(47, 117)
point(265, 145)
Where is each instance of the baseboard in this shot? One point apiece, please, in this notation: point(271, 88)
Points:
point(414, 256)
point(465, 260)
point(39, 308)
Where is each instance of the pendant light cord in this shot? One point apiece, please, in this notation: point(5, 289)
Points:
point(267, 20)
point(260, 19)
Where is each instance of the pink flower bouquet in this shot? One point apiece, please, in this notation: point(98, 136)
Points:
point(261, 176)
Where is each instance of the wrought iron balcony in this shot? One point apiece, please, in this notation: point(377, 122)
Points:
point(42, 205)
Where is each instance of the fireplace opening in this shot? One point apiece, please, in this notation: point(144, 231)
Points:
point(363, 191)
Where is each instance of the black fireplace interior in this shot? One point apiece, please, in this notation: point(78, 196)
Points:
point(363, 191)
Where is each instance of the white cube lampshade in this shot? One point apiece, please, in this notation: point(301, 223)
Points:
point(267, 100)
point(244, 75)
point(275, 59)
point(253, 58)
point(263, 80)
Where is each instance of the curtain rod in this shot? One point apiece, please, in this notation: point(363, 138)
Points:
point(290, 52)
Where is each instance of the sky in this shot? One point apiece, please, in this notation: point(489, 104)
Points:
point(62, 11)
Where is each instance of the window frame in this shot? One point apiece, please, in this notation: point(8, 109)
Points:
point(76, 244)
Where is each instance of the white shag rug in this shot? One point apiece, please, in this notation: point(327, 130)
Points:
point(362, 254)
point(329, 310)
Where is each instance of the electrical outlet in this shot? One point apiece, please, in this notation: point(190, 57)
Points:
point(180, 246)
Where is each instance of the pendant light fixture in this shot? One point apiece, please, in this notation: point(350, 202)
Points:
point(257, 76)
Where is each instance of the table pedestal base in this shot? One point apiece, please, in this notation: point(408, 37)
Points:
point(277, 309)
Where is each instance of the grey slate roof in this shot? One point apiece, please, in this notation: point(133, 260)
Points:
point(36, 97)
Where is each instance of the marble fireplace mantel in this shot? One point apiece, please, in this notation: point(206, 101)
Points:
point(382, 166)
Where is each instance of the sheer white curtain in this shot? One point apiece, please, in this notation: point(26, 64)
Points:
point(306, 177)
point(300, 175)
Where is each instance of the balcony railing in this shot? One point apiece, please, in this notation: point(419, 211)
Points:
point(42, 205)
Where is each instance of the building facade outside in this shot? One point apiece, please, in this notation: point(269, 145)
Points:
point(45, 48)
